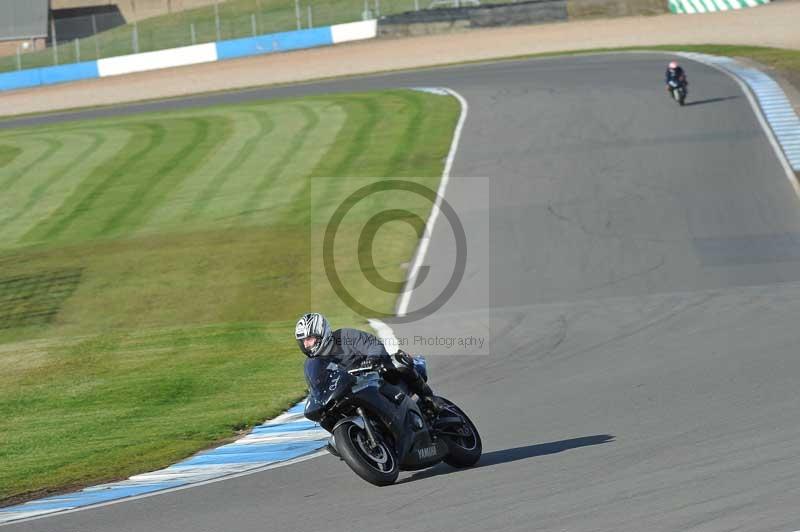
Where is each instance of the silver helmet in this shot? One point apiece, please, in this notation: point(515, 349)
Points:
point(313, 324)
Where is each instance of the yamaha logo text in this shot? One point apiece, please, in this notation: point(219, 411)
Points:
point(426, 452)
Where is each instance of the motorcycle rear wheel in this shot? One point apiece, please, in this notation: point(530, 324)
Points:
point(377, 465)
point(465, 449)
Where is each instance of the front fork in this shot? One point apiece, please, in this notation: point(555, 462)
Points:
point(373, 440)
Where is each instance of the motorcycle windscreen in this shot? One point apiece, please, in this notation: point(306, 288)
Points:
point(326, 379)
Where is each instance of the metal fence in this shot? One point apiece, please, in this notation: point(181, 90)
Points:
point(86, 38)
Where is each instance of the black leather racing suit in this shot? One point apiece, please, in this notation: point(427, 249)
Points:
point(677, 75)
point(353, 348)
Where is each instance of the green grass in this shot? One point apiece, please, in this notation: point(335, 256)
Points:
point(152, 267)
point(107, 298)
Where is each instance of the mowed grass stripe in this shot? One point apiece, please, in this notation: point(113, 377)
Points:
point(153, 188)
point(11, 177)
point(274, 170)
point(363, 120)
point(375, 133)
point(32, 166)
point(146, 138)
point(171, 214)
point(8, 154)
point(319, 143)
point(249, 149)
point(38, 192)
point(398, 163)
point(28, 229)
point(406, 142)
point(178, 334)
point(363, 115)
point(257, 192)
point(374, 149)
point(274, 154)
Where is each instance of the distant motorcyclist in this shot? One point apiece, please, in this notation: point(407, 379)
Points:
point(353, 349)
point(675, 73)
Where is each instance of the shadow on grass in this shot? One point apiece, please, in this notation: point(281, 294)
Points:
point(515, 454)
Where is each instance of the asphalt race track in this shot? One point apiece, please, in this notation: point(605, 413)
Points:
point(639, 275)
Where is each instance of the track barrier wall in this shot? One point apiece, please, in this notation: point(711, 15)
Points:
point(48, 75)
point(190, 55)
point(276, 42)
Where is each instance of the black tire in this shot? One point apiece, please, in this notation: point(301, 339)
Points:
point(465, 451)
point(378, 466)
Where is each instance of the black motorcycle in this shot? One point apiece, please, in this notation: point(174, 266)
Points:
point(378, 429)
point(678, 90)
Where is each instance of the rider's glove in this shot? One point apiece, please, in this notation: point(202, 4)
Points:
point(384, 365)
point(379, 364)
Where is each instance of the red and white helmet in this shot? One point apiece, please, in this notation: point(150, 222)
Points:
point(673, 65)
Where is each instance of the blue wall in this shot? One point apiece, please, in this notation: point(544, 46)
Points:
point(48, 75)
point(275, 42)
point(20, 79)
point(75, 71)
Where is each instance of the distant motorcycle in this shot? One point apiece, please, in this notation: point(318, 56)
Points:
point(678, 90)
point(378, 429)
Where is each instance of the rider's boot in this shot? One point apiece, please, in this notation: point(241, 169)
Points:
point(417, 385)
point(427, 398)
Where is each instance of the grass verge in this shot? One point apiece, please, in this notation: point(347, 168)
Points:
point(152, 267)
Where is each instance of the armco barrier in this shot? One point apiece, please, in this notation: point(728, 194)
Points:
point(275, 42)
point(190, 55)
point(73, 72)
point(354, 31)
point(48, 75)
point(172, 57)
point(21, 79)
point(708, 6)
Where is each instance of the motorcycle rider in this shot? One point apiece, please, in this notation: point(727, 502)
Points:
point(354, 349)
point(675, 73)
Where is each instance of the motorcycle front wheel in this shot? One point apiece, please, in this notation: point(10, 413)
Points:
point(377, 465)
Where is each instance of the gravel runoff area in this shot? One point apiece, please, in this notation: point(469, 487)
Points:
point(772, 25)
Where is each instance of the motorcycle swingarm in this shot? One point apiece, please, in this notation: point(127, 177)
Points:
point(445, 422)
